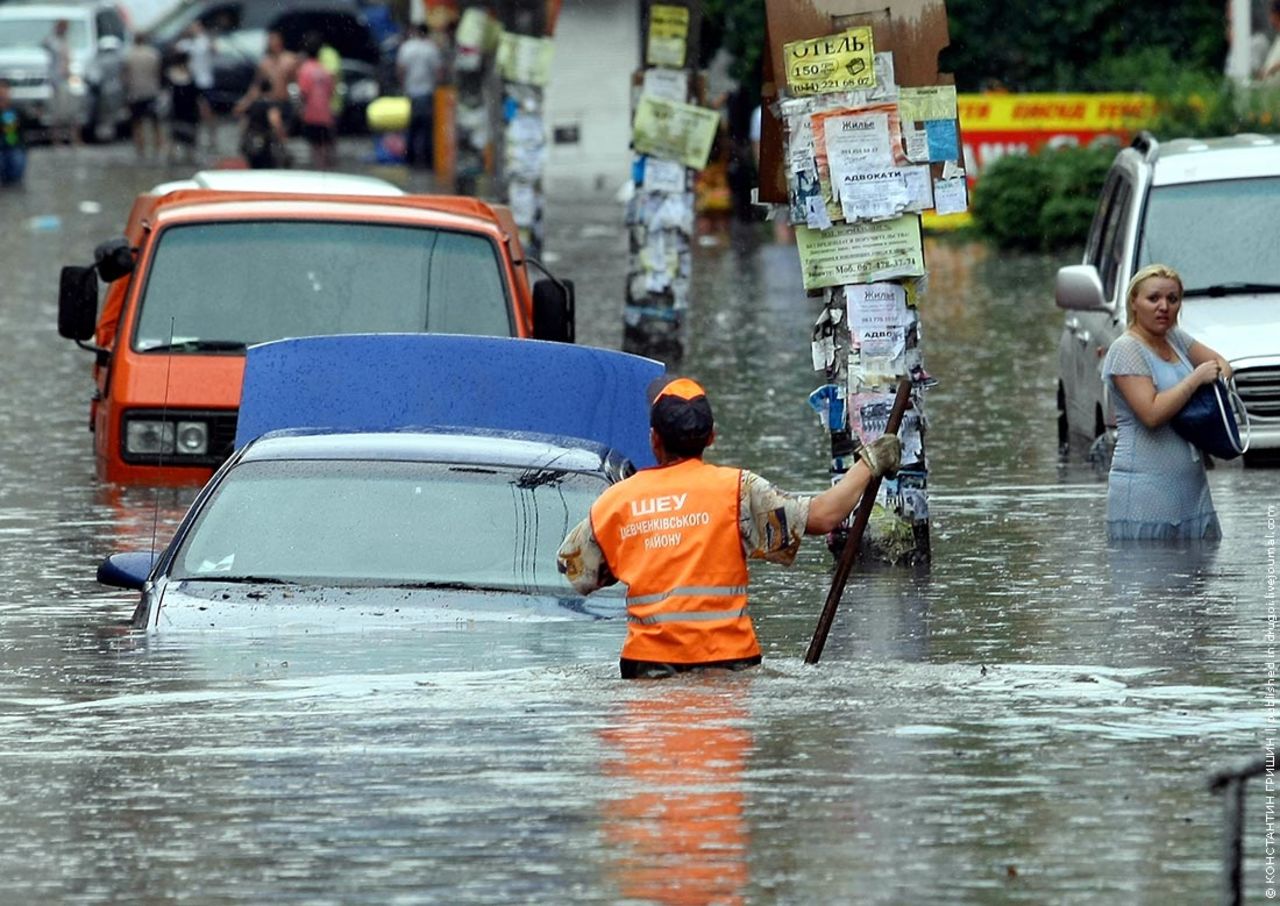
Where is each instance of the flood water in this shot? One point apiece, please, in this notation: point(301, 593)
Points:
point(1031, 720)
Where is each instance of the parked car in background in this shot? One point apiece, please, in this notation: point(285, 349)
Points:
point(1209, 208)
point(97, 37)
point(202, 273)
point(340, 513)
point(239, 31)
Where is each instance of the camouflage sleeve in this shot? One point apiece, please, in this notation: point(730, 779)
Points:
point(582, 561)
point(771, 520)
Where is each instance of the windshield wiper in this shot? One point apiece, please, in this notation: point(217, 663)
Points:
point(219, 577)
point(536, 478)
point(448, 586)
point(198, 346)
point(1232, 289)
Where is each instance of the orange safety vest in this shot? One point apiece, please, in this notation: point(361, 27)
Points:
point(671, 534)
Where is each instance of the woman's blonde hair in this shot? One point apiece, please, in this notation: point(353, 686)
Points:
point(1151, 270)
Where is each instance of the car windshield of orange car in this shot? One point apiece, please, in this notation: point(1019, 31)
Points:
point(224, 286)
point(373, 522)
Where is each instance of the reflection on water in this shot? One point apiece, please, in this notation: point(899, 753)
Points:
point(1029, 721)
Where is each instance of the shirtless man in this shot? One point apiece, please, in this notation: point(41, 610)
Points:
point(278, 68)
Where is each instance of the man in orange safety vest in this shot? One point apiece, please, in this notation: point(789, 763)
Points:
point(680, 534)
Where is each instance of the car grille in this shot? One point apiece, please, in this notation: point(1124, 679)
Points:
point(222, 436)
point(23, 80)
point(1259, 390)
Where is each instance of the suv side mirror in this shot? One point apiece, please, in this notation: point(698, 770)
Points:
point(553, 310)
point(113, 259)
point(77, 302)
point(1079, 288)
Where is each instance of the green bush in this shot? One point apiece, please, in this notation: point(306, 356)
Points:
point(1041, 201)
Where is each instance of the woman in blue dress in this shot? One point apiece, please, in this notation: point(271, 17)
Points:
point(1157, 487)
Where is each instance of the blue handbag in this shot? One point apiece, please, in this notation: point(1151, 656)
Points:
point(1211, 421)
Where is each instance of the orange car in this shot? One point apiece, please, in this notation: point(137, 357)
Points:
point(202, 273)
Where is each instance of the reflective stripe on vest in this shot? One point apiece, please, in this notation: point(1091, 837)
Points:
point(702, 591)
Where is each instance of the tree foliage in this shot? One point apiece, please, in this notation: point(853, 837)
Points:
point(1074, 46)
point(1066, 45)
point(738, 27)
point(1041, 201)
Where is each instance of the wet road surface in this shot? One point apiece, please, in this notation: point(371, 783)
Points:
point(1032, 720)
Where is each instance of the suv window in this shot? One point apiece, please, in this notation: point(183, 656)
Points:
point(1113, 238)
point(1093, 245)
point(1215, 232)
point(109, 24)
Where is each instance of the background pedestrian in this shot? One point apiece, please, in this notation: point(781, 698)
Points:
point(184, 108)
point(316, 86)
point(64, 125)
point(141, 74)
point(14, 125)
point(418, 65)
point(199, 48)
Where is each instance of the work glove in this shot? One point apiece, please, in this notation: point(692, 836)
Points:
point(883, 455)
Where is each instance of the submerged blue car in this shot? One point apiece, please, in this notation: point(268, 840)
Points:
point(364, 520)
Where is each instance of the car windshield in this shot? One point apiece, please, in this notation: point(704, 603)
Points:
point(238, 283)
point(31, 33)
point(1214, 233)
point(388, 523)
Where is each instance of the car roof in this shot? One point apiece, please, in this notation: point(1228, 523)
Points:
point(309, 182)
point(49, 11)
point(1191, 160)
point(521, 450)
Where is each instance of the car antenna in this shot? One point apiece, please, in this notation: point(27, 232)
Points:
point(164, 420)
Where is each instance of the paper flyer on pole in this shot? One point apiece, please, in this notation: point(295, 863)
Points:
point(933, 102)
point(674, 131)
point(671, 84)
point(854, 140)
point(668, 35)
point(525, 59)
point(861, 252)
point(841, 62)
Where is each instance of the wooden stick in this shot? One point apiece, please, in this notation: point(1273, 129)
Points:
point(850, 553)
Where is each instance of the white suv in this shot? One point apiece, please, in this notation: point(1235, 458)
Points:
point(1211, 210)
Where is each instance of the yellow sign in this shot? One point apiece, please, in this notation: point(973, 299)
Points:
point(1054, 112)
point(674, 131)
point(840, 62)
point(860, 252)
point(668, 35)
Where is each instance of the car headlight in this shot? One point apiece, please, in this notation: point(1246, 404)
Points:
point(192, 438)
point(153, 436)
point(147, 436)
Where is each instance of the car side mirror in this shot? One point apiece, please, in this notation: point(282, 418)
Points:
point(1079, 288)
point(129, 570)
point(553, 310)
point(113, 259)
point(77, 302)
